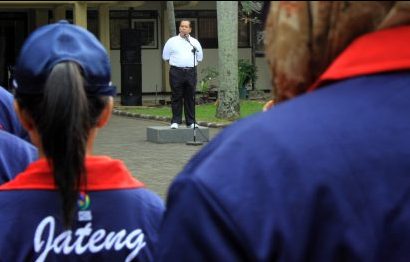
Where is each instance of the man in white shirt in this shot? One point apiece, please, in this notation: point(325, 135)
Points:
point(183, 52)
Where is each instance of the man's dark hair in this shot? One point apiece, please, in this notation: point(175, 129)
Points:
point(186, 20)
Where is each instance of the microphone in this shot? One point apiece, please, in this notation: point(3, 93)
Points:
point(194, 49)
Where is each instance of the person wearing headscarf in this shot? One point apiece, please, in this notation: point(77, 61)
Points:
point(323, 175)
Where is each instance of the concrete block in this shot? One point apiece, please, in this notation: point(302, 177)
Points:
point(164, 134)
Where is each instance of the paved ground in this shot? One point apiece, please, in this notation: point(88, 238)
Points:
point(154, 164)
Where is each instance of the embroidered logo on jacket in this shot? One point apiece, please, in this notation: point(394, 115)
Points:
point(83, 203)
point(84, 239)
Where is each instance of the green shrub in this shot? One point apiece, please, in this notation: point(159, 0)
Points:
point(247, 72)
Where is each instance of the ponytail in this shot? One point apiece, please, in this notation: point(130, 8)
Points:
point(63, 116)
point(64, 132)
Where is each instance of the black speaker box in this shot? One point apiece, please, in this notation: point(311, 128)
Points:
point(131, 85)
point(130, 52)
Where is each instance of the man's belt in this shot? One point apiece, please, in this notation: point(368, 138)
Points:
point(182, 68)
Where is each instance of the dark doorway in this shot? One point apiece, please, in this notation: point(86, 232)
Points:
point(13, 31)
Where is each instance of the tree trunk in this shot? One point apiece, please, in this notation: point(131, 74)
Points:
point(228, 94)
point(171, 18)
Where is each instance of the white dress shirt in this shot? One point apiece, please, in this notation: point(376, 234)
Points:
point(179, 51)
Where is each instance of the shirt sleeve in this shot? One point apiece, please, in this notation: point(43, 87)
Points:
point(194, 234)
point(166, 53)
point(199, 53)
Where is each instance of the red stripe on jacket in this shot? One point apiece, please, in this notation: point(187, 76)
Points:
point(381, 51)
point(103, 173)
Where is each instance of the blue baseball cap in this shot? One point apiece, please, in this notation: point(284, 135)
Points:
point(59, 42)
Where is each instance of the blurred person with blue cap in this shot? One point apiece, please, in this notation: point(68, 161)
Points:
point(15, 155)
point(324, 174)
point(71, 204)
point(16, 150)
point(9, 121)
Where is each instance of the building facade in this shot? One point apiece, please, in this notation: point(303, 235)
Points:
point(105, 19)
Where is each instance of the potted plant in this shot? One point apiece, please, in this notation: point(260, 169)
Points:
point(205, 85)
point(246, 75)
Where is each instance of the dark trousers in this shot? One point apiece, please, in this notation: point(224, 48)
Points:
point(183, 84)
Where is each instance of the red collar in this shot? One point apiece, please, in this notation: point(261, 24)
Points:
point(103, 173)
point(377, 52)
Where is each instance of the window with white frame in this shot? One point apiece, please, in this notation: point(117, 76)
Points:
point(146, 22)
point(259, 36)
point(148, 32)
point(116, 24)
point(205, 27)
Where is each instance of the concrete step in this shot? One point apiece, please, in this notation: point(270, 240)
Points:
point(164, 134)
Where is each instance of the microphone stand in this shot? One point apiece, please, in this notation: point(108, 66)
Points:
point(193, 143)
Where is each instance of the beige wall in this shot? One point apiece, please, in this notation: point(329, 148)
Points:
point(211, 60)
point(264, 79)
point(151, 70)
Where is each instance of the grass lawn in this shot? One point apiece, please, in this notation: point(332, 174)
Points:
point(204, 112)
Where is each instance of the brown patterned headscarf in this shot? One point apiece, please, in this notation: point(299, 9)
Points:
point(304, 37)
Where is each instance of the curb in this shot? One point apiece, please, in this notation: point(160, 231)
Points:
point(165, 119)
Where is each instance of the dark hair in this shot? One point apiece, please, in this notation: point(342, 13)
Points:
point(63, 116)
point(186, 20)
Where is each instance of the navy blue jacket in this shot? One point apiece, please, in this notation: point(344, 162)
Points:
point(15, 155)
point(323, 177)
point(116, 219)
